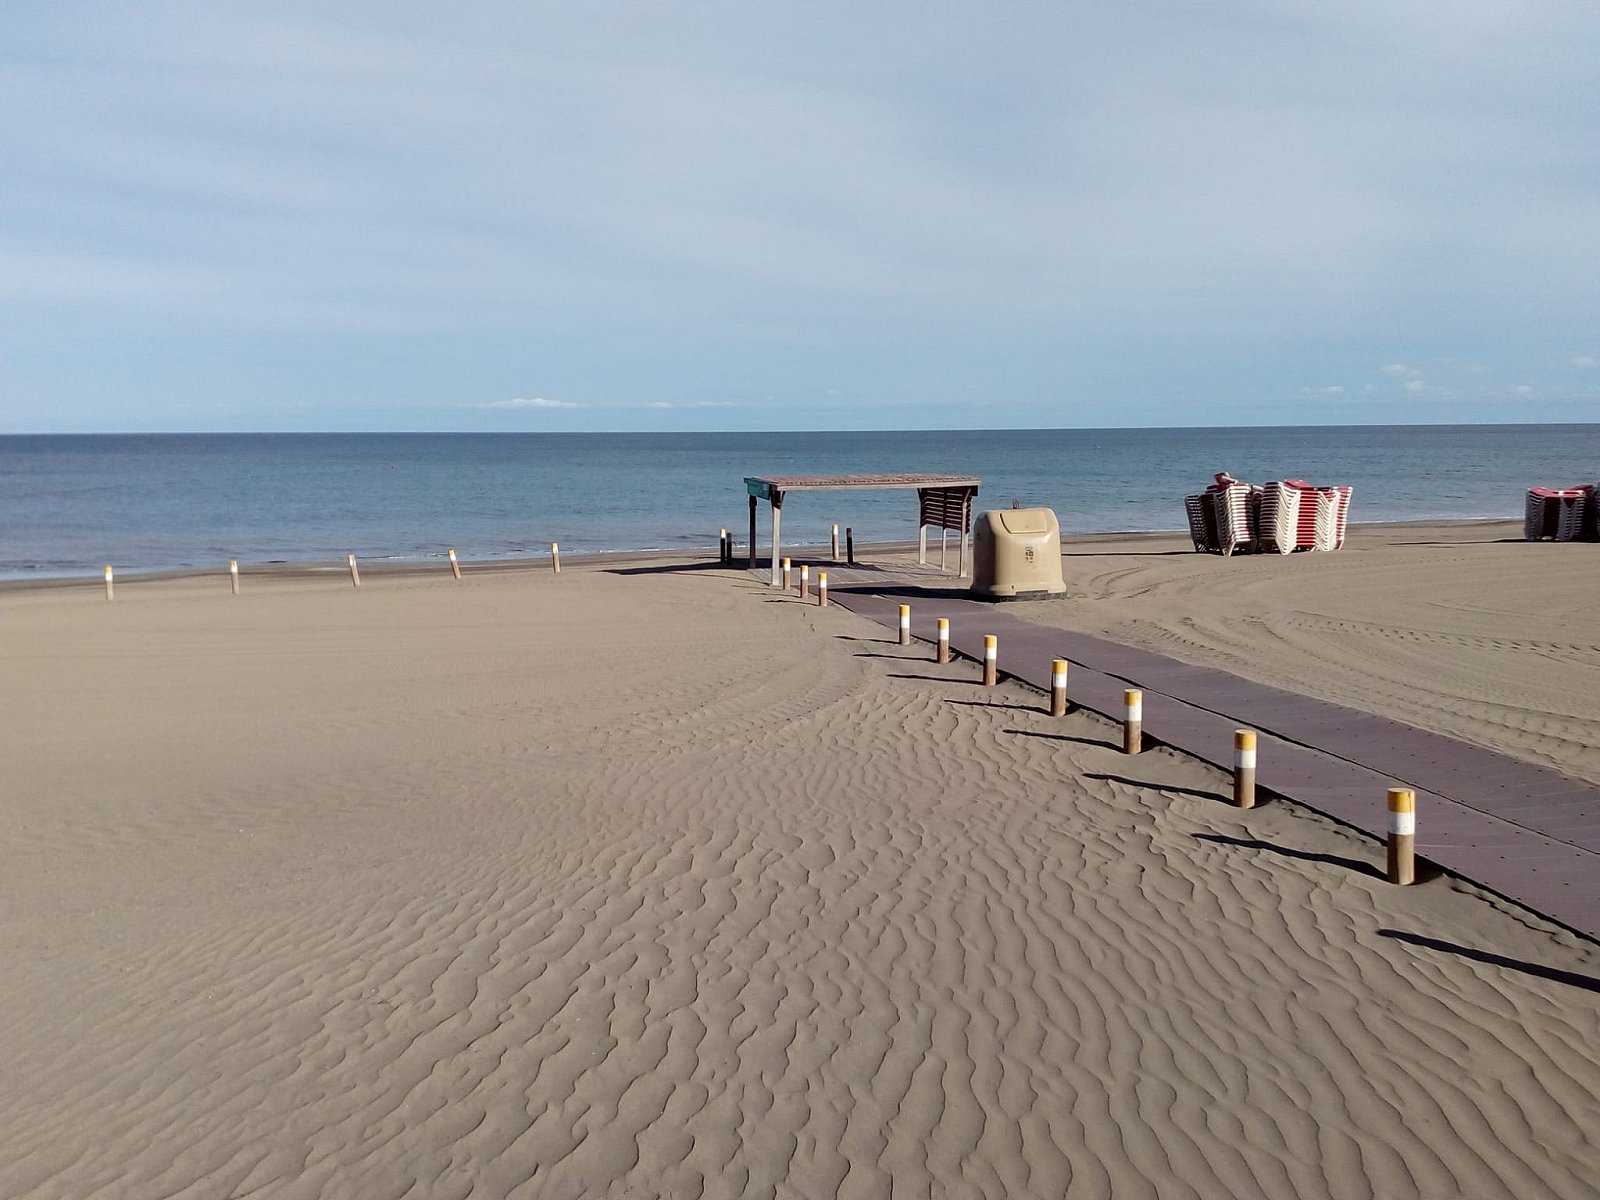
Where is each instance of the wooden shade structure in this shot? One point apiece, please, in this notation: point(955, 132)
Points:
point(944, 502)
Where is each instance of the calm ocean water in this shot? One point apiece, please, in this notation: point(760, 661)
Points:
point(71, 504)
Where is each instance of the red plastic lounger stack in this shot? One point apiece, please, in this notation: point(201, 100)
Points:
point(1298, 516)
point(1559, 513)
point(1222, 519)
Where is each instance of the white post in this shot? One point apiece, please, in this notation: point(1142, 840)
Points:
point(555, 558)
point(922, 545)
point(355, 572)
point(233, 575)
point(108, 582)
point(455, 567)
point(777, 538)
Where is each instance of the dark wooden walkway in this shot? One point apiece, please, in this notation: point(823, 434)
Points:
point(1523, 831)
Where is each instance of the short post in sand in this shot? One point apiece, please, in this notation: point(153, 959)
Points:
point(905, 624)
point(991, 660)
point(233, 575)
point(805, 580)
point(555, 558)
point(1132, 721)
point(355, 571)
point(1244, 768)
point(849, 545)
point(724, 550)
point(1402, 835)
point(455, 567)
point(822, 589)
point(1058, 687)
point(108, 582)
point(942, 652)
point(787, 571)
point(834, 546)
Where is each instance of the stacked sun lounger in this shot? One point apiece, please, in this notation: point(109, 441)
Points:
point(1232, 517)
point(1564, 514)
point(1222, 519)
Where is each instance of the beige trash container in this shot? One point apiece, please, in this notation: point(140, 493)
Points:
point(1016, 555)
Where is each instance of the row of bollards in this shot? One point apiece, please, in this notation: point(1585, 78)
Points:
point(1402, 801)
point(350, 562)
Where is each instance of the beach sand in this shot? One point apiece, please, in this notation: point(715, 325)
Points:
point(658, 884)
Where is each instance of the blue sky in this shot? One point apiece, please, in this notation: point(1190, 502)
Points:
point(770, 216)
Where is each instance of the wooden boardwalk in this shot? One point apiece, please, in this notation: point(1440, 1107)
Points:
point(1526, 832)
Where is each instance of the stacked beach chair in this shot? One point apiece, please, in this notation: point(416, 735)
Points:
point(1223, 518)
point(1563, 514)
point(1233, 517)
point(1296, 515)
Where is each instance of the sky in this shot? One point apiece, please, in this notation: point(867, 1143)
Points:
point(770, 216)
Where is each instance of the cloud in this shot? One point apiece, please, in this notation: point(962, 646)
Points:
point(1415, 385)
point(658, 404)
point(1584, 362)
point(715, 404)
point(526, 402)
point(1401, 371)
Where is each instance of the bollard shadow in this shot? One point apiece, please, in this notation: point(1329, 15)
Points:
point(1061, 737)
point(1332, 860)
point(991, 704)
point(941, 679)
point(1197, 793)
point(1555, 974)
point(875, 654)
point(668, 569)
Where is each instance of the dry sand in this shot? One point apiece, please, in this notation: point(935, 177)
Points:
point(658, 884)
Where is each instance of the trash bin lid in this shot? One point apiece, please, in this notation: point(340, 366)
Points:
point(1025, 520)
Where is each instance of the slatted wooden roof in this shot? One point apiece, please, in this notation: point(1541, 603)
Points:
point(765, 486)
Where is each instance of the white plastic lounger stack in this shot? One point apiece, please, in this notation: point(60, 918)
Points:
point(1280, 517)
point(1333, 512)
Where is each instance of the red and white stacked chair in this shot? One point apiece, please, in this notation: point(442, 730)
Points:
point(1286, 515)
point(1565, 514)
point(1333, 514)
point(1222, 519)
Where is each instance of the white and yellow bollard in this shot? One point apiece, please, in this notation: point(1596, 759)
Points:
point(1058, 687)
point(942, 653)
point(1244, 768)
point(905, 624)
point(355, 572)
point(787, 571)
point(805, 580)
point(1402, 835)
point(109, 589)
point(233, 575)
point(455, 567)
point(1132, 721)
point(822, 589)
point(555, 558)
point(991, 660)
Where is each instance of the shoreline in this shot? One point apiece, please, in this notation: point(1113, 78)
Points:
point(314, 568)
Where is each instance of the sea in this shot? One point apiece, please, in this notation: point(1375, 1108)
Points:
point(71, 504)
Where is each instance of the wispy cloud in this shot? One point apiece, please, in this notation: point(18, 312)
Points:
point(1584, 362)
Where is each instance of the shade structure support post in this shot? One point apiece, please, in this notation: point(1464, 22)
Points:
point(752, 562)
point(777, 537)
point(922, 545)
point(966, 525)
